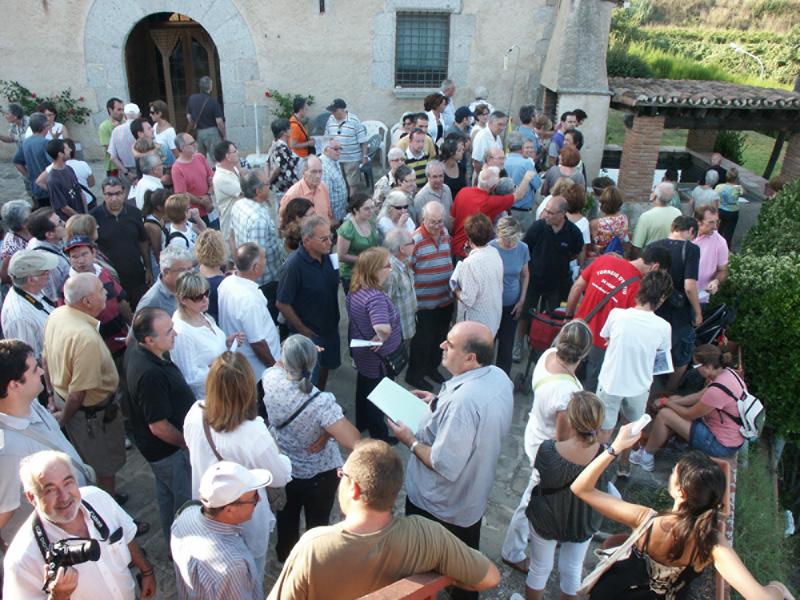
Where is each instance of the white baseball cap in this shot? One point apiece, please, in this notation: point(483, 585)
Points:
point(225, 482)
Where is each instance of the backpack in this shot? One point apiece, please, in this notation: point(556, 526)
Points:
point(615, 246)
point(174, 233)
point(751, 411)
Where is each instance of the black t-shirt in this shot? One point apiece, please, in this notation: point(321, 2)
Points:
point(157, 391)
point(550, 254)
point(209, 115)
point(680, 271)
point(312, 290)
point(118, 237)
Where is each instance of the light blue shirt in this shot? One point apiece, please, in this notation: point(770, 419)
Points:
point(516, 167)
point(465, 430)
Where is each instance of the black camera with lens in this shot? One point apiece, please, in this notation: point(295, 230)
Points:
point(67, 553)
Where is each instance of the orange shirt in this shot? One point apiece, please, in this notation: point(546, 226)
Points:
point(319, 197)
point(299, 135)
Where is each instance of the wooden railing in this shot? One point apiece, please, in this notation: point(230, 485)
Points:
point(422, 586)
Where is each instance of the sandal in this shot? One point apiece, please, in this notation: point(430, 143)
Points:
point(624, 471)
point(521, 566)
point(141, 527)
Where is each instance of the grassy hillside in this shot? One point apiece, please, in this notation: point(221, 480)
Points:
point(778, 16)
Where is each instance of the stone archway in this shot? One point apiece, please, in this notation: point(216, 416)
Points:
point(109, 24)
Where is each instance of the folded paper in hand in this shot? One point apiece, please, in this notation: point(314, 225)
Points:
point(398, 403)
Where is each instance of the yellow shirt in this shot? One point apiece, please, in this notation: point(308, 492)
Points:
point(77, 357)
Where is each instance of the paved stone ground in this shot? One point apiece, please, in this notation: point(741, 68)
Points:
point(137, 479)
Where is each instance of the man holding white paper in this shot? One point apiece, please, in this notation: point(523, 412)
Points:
point(455, 451)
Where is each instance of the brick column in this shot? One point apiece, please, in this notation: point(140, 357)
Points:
point(791, 160)
point(701, 140)
point(639, 157)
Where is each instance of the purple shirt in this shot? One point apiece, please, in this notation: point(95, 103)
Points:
point(368, 307)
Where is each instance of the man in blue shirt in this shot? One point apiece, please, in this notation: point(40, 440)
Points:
point(31, 157)
point(568, 122)
point(516, 166)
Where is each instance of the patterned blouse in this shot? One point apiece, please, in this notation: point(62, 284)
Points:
point(481, 282)
point(288, 165)
point(11, 243)
point(607, 228)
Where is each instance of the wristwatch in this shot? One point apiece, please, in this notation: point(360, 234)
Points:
point(611, 451)
point(414, 445)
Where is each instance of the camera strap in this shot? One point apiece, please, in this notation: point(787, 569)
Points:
point(43, 542)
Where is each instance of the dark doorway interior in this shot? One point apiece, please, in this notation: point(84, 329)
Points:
point(165, 55)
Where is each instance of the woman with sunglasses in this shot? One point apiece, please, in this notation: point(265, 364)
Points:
point(199, 341)
point(163, 131)
point(384, 185)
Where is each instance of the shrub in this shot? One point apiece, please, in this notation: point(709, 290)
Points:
point(69, 109)
point(732, 145)
point(621, 63)
point(777, 231)
point(284, 110)
point(766, 290)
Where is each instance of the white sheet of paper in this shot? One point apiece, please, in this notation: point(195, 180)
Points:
point(364, 343)
point(454, 283)
point(234, 345)
point(398, 403)
point(703, 295)
point(335, 261)
point(663, 364)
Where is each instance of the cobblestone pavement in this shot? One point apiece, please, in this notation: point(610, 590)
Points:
point(136, 478)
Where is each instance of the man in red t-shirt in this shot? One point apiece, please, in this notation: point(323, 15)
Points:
point(473, 200)
point(597, 280)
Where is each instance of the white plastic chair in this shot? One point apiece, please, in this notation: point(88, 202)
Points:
point(376, 127)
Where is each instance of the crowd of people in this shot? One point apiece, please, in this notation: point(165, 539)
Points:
point(193, 310)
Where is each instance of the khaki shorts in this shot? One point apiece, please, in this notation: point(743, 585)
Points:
point(104, 449)
point(632, 407)
point(352, 173)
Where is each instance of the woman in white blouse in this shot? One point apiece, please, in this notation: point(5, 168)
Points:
point(199, 341)
point(239, 435)
point(480, 291)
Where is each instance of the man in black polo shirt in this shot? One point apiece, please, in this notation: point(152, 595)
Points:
point(159, 400)
point(553, 241)
point(122, 238)
point(307, 295)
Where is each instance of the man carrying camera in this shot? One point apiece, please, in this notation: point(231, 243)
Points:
point(77, 544)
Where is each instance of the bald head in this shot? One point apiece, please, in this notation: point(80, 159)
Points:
point(85, 292)
point(469, 345)
point(433, 210)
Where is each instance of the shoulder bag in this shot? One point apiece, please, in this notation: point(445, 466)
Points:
point(191, 127)
point(395, 361)
point(677, 300)
point(608, 297)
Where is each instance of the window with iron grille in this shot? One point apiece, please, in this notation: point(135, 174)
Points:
point(423, 40)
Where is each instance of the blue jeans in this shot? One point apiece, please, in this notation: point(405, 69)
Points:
point(173, 486)
point(702, 438)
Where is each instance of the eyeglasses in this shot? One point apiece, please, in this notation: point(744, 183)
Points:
point(327, 238)
point(335, 149)
point(387, 266)
point(436, 223)
point(253, 502)
point(400, 207)
point(340, 472)
point(154, 112)
point(396, 160)
point(369, 208)
point(712, 222)
point(199, 297)
point(552, 212)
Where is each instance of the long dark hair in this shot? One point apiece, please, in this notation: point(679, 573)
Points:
point(703, 483)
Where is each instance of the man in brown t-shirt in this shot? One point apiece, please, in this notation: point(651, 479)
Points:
point(374, 547)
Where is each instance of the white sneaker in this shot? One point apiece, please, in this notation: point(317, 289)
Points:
point(516, 596)
point(516, 354)
point(128, 444)
point(644, 459)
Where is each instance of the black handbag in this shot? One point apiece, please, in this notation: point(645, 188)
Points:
point(396, 361)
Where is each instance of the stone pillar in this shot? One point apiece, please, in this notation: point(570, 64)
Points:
point(701, 140)
point(791, 160)
point(640, 157)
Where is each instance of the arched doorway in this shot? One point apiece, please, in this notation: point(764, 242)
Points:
point(165, 55)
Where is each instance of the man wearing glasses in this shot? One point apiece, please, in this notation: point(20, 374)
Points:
point(333, 177)
point(713, 252)
point(312, 188)
point(347, 128)
point(211, 558)
point(122, 238)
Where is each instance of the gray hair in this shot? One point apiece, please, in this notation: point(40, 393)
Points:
point(306, 160)
point(712, 178)
point(390, 200)
point(251, 183)
point(173, 253)
point(481, 92)
point(397, 237)
point(180, 140)
point(148, 162)
point(299, 357)
point(37, 122)
point(77, 287)
point(429, 206)
point(507, 228)
point(561, 204)
point(497, 115)
point(205, 83)
point(663, 193)
point(111, 182)
point(15, 213)
point(32, 466)
point(326, 142)
point(15, 110)
point(431, 164)
point(505, 186)
point(309, 224)
point(515, 141)
point(395, 153)
point(19, 281)
point(488, 178)
point(447, 84)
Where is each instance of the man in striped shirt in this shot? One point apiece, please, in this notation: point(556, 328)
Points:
point(347, 128)
point(416, 158)
point(432, 264)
